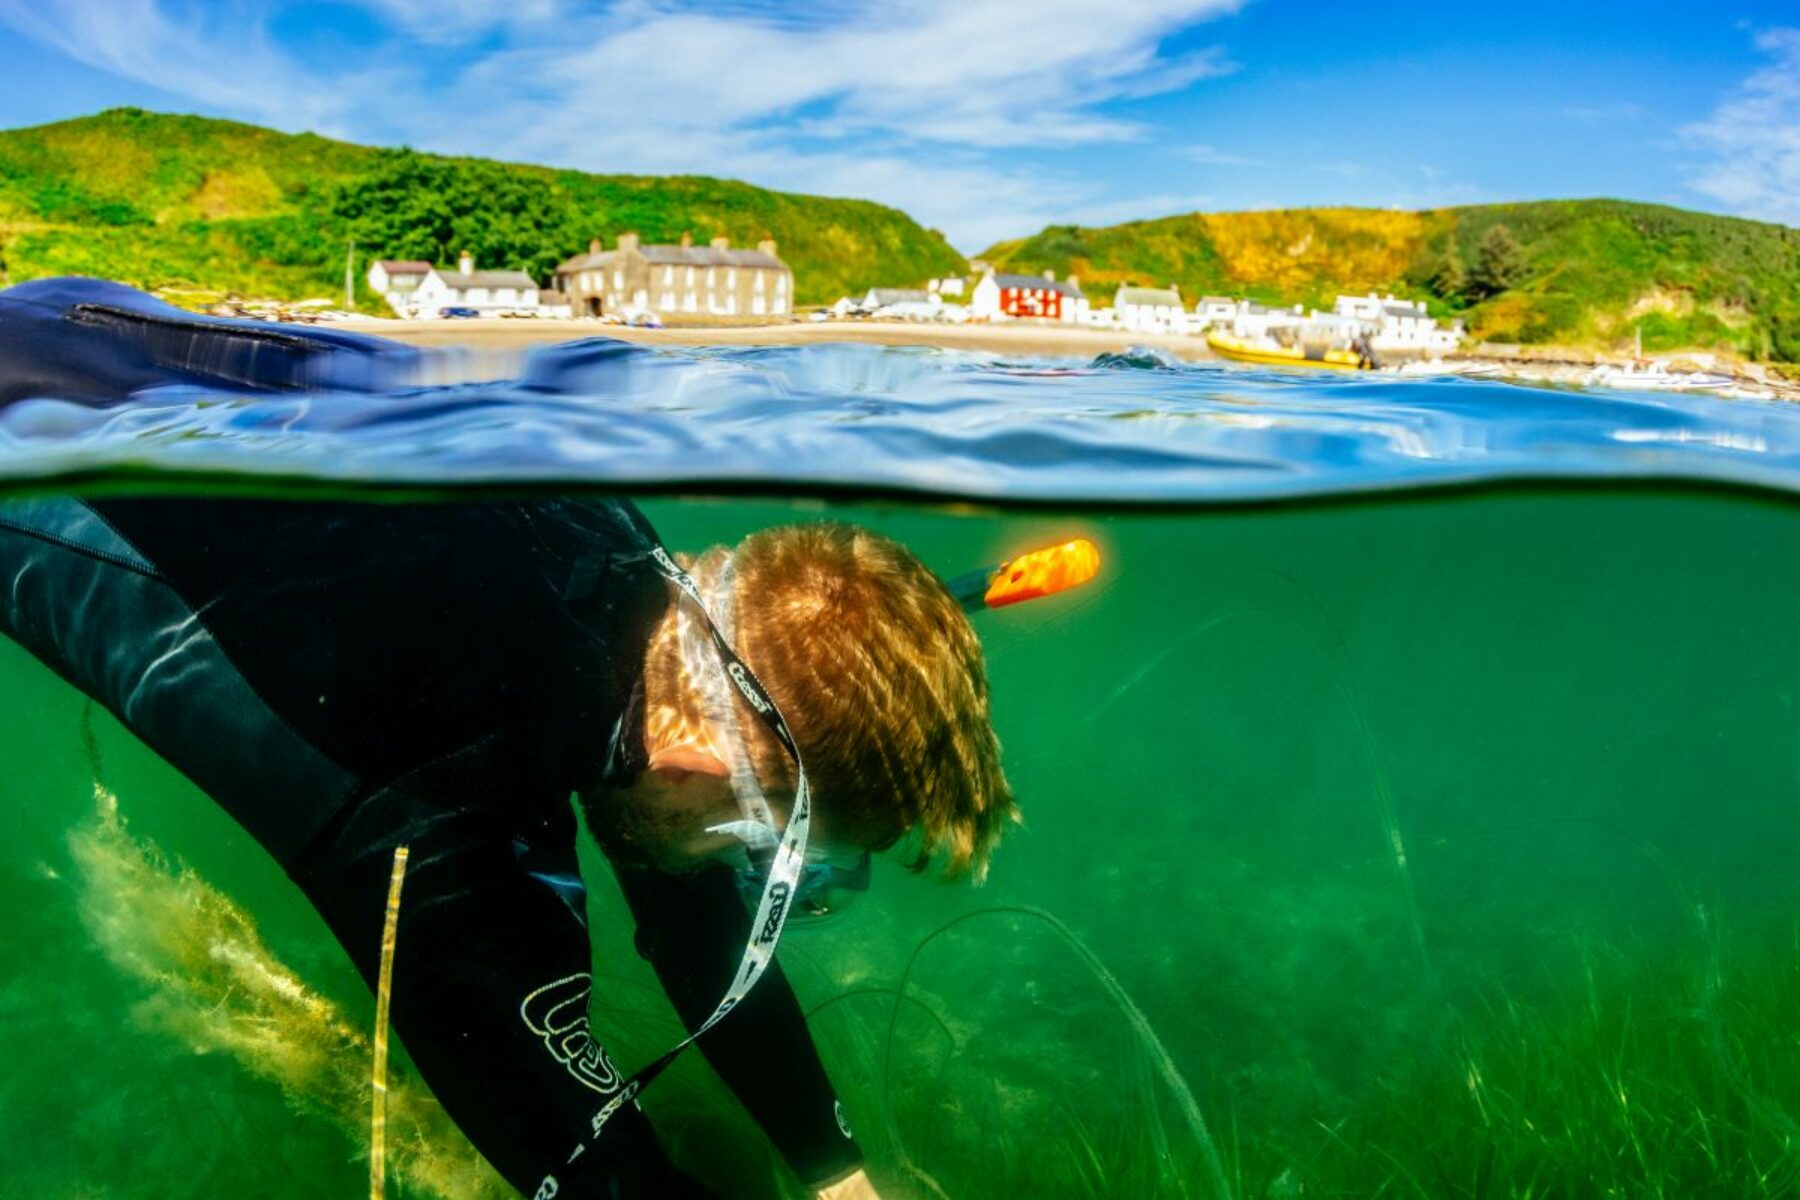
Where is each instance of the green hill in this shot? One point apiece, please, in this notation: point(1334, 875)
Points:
point(194, 207)
point(1577, 272)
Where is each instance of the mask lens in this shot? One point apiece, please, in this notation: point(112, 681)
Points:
point(826, 888)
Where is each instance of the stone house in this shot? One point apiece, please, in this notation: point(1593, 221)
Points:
point(679, 280)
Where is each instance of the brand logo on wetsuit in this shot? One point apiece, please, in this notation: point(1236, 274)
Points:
point(557, 1012)
point(778, 899)
point(751, 692)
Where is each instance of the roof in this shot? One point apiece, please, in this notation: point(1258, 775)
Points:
point(679, 256)
point(403, 266)
point(707, 256)
point(882, 297)
point(1403, 309)
point(486, 279)
point(1218, 300)
point(584, 260)
point(1149, 297)
point(1023, 282)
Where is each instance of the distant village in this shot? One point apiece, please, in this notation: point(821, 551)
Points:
point(639, 283)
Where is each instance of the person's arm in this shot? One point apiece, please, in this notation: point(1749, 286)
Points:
point(490, 986)
point(691, 928)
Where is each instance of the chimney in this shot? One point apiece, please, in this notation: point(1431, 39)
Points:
point(465, 263)
point(687, 240)
point(767, 246)
point(1049, 274)
point(628, 241)
point(1075, 282)
point(594, 246)
point(721, 243)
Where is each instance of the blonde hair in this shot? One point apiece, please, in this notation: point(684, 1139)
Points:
point(879, 675)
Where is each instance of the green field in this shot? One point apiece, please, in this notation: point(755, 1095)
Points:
point(195, 207)
point(1579, 272)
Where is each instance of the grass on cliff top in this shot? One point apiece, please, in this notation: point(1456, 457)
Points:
point(1591, 272)
point(194, 204)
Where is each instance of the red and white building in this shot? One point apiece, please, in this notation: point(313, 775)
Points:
point(1028, 297)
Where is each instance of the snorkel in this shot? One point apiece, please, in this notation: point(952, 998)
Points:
point(1030, 576)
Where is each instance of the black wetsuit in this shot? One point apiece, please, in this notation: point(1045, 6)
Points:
point(345, 678)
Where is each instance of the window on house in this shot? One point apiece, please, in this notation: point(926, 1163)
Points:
point(756, 305)
point(780, 283)
point(668, 275)
point(690, 304)
point(759, 280)
point(618, 280)
point(690, 277)
point(731, 279)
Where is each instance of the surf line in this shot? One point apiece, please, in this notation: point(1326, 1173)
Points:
point(383, 994)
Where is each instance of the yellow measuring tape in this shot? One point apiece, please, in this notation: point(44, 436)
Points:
point(383, 993)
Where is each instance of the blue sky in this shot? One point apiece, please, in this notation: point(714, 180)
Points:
point(990, 118)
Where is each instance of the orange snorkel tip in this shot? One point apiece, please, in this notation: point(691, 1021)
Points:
point(1029, 576)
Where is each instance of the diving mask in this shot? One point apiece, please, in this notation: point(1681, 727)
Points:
point(829, 881)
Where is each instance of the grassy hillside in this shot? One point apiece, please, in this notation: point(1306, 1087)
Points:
point(1586, 272)
point(195, 207)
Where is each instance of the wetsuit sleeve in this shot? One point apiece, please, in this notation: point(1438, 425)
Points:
point(490, 993)
point(691, 928)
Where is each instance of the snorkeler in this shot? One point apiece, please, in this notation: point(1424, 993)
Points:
point(348, 678)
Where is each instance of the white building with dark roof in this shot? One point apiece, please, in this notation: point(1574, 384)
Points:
point(1393, 324)
point(1028, 297)
point(1150, 310)
point(395, 280)
point(678, 280)
point(489, 293)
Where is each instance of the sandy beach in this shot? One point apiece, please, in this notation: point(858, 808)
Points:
point(1063, 341)
point(1534, 364)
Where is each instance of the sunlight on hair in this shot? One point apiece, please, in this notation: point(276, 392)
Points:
point(214, 984)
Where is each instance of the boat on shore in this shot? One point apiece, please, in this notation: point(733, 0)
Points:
point(1269, 352)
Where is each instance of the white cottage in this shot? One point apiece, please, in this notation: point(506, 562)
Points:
point(1254, 321)
point(489, 293)
point(1398, 325)
point(1213, 312)
point(1150, 310)
point(396, 280)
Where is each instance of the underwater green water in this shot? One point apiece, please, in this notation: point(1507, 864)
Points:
point(1440, 845)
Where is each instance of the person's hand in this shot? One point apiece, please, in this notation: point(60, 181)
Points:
point(853, 1187)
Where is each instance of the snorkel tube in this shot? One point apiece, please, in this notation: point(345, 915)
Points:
point(1030, 576)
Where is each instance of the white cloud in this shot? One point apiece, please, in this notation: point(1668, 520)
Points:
point(224, 62)
point(998, 73)
point(454, 22)
point(1752, 138)
point(922, 104)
